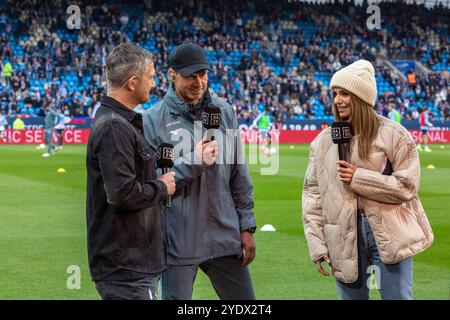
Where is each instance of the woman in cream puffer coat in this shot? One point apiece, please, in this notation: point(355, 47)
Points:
point(363, 215)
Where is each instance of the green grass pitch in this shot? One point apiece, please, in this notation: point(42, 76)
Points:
point(42, 228)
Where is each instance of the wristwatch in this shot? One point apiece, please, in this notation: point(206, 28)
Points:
point(251, 230)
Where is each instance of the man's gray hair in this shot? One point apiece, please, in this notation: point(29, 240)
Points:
point(124, 61)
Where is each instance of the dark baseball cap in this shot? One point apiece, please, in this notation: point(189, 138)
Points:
point(187, 59)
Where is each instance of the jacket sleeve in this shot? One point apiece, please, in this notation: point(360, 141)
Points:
point(397, 188)
point(312, 214)
point(240, 183)
point(186, 168)
point(115, 150)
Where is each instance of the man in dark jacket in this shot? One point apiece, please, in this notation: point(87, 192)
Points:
point(211, 223)
point(126, 243)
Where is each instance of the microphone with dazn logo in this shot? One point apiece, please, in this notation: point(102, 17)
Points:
point(164, 160)
point(211, 118)
point(341, 133)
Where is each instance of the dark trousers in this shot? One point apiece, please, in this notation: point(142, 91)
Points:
point(230, 280)
point(59, 136)
point(139, 289)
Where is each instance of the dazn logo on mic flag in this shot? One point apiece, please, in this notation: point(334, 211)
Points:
point(336, 133)
point(215, 119)
point(167, 153)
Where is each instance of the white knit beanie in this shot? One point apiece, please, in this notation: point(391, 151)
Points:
point(359, 79)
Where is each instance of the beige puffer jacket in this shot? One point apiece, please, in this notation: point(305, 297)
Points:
point(396, 216)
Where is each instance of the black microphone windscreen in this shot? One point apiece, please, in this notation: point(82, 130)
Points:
point(211, 117)
point(341, 132)
point(164, 156)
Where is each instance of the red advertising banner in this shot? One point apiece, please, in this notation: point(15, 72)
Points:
point(434, 136)
point(281, 136)
point(307, 136)
point(70, 136)
point(77, 136)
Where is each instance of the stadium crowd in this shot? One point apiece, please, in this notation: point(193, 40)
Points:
point(264, 54)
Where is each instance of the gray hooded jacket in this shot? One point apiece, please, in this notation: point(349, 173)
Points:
point(211, 205)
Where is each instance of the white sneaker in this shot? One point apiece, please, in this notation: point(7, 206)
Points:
point(427, 149)
point(45, 155)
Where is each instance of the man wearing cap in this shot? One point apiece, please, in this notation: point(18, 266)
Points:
point(210, 224)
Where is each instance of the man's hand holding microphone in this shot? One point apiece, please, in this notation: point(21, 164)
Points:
point(169, 180)
point(207, 148)
point(164, 160)
point(207, 152)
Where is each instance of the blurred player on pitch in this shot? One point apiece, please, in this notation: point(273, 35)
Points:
point(425, 125)
point(264, 124)
point(3, 125)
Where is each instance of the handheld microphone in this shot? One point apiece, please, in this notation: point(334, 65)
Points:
point(164, 160)
point(341, 133)
point(211, 118)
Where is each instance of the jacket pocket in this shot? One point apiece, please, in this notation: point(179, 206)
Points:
point(144, 165)
point(399, 234)
point(402, 226)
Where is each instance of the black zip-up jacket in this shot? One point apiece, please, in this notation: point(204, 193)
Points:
point(125, 229)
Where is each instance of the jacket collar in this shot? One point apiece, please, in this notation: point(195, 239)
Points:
point(179, 107)
point(133, 117)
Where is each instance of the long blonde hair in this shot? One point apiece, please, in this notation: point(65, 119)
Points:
point(365, 124)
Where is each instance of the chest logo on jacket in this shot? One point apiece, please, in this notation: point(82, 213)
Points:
point(175, 132)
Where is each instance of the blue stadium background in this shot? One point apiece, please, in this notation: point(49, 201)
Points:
point(278, 55)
